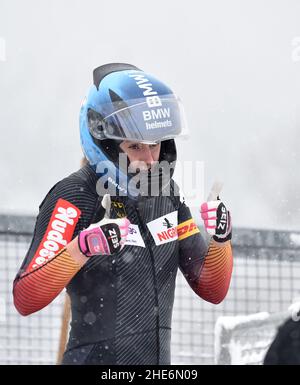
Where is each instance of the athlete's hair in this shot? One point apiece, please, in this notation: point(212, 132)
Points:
point(83, 162)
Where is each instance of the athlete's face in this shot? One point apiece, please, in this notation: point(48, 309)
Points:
point(141, 155)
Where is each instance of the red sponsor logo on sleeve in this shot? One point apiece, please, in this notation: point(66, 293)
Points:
point(186, 229)
point(58, 234)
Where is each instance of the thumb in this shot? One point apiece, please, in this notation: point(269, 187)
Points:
point(215, 191)
point(106, 204)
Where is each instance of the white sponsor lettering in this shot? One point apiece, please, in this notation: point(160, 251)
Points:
point(223, 219)
point(152, 99)
point(159, 113)
point(59, 226)
point(222, 226)
point(148, 90)
point(153, 125)
point(55, 236)
point(66, 215)
point(114, 238)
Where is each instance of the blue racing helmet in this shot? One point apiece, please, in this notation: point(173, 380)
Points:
point(125, 103)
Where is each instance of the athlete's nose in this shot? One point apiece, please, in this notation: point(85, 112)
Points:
point(148, 156)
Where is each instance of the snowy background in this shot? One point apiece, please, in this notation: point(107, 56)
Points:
point(235, 64)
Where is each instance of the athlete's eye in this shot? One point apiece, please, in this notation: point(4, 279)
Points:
point(135, 147)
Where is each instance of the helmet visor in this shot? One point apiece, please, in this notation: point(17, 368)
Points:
point(148, 120)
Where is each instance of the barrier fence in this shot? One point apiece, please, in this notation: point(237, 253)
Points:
point(265, 279)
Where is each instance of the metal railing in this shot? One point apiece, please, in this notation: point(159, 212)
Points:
point(265, 279)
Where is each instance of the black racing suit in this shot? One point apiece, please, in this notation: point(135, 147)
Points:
point(121, 303)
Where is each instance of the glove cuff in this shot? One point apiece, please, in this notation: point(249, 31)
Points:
point(82, 244)
point(221, 240)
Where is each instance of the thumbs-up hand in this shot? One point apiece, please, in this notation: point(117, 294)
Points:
point(105, 237)
point(216, 217)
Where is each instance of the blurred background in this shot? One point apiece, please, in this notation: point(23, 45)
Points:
point(235, 65)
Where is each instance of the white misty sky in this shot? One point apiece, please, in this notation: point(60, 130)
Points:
point(235, 64)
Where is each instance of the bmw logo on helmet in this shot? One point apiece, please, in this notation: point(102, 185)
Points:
point(125, 103)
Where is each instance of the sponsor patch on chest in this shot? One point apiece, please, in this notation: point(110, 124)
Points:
point(164, 229)
point(134, 237)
